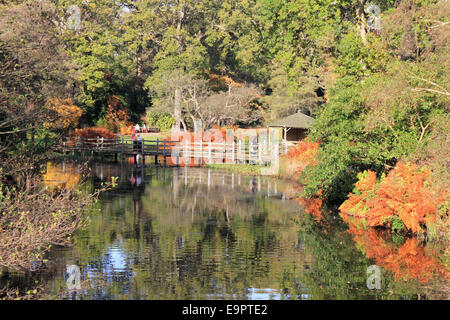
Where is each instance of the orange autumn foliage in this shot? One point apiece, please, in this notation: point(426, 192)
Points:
point(403, 194)
point(408, 261)
point(305, 150)
point(125, 130)
point(66, 116)
point(313, 207)
point(215, 134)
point(303, 155)
point(117, 115)
point(221, 82)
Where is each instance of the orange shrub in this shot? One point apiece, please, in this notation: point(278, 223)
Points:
point(94, 133)
point(400, 200)
point(125, 130)
point(301, 156)
point(204, 136)
point(313, 207)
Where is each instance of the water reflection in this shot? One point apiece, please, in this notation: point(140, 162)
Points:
point(186, 233)
point(407, 259)
point(191, 233)
point(61, 175)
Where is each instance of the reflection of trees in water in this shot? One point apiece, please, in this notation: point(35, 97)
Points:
point(194, 236)
point(220, 248)
point(191, 240)
point(340, 264)
point(407, 259)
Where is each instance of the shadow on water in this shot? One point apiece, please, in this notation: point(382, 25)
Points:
point(193, 233)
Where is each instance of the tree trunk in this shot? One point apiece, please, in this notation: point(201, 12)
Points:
point(177, 103)
point(177, 108)
point(362, 21)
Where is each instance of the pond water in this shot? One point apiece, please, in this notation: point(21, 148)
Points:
point(193, 233)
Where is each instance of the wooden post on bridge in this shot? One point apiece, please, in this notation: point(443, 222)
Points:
point(209, 152)
point(199, 152)
point(232, 153)
point(259, 152)
point(82, 147)
point(239, 157)
point(157, 148)
point(164, 152)
point(178, 152)
point(224, 151)
point(101, 147)
point(143, 152)
point(122, 148)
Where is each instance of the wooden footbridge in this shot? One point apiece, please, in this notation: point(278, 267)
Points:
point(178, 152)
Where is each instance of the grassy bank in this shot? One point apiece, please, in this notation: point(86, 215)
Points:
point(250, 169)
point(151, 135)
point(286, 171)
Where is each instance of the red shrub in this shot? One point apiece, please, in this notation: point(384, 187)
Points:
point(94, 133)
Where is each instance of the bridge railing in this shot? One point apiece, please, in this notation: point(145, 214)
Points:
point(239, 151)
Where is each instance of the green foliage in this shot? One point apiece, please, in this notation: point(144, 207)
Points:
point(164, 121)
point(396, 224)
point(382, 108)
point(351, 54)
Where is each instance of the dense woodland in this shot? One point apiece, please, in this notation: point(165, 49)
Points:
point(378, 85)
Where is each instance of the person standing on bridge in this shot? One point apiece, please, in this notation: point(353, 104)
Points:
point(138, 128)
point(133, 137)
point(138, 142)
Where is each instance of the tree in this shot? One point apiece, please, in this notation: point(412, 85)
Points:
point(180, 51)
point(201, 100)
point(375, 116)
point(33, 68)
point(66, 114)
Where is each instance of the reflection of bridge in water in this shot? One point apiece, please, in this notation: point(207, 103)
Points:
point(138, 176)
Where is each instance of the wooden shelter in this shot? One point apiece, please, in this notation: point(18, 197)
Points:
point(294, 127)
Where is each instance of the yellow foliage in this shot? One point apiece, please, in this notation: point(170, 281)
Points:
point(125, 130)
point(66, 116)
